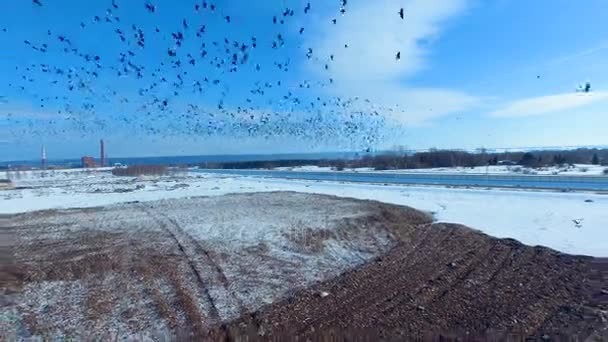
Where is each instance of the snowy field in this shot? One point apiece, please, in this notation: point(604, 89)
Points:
point(567, 170)
point(574, 223)
point(123, 254)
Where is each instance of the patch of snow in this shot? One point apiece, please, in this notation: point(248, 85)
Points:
point(304, 168)
point(566, 170)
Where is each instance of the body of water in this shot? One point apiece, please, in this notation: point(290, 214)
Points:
point(190, 160)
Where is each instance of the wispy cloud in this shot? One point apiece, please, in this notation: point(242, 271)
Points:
point(549, 104)
point(579, 54)
point(11, 111)
point(368, 67)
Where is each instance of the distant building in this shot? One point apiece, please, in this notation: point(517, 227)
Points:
point(88, 162)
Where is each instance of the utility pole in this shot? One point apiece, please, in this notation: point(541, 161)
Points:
point(102, 157)
point(43, 160)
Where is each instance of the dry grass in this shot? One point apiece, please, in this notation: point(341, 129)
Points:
point(309, 240)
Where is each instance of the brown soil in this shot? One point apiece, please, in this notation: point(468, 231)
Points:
point(446, 280)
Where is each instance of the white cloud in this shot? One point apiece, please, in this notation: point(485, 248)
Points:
point(549, 104)
point(368, 68)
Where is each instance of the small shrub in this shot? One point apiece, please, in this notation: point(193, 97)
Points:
point(583, 169)
point(140, 170)
point(516, 169)
point(605, 172)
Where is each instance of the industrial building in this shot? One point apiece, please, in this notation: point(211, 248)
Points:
point(88, 162)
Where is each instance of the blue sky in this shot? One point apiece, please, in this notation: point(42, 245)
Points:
point(472, 73)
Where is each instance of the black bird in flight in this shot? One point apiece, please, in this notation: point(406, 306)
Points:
point(151, 8)
point(398, 56)
point(37, 2)
point(307, 8)
point(586, 88)
point(401, 14)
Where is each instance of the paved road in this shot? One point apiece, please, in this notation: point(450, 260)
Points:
point(598, 183)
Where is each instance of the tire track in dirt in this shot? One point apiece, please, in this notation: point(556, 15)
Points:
point(209, 274)
point(202, 251)
point(211, 311)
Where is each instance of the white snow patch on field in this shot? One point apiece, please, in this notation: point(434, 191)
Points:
point(566, 170)
point(532, 217)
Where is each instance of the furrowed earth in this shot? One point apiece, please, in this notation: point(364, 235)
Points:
point(283, 264)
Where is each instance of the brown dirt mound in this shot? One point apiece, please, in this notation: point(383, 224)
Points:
point(447, 280)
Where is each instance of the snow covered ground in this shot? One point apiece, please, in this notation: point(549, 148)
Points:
point(295, 240)
point(574, 223)
point(567, 170)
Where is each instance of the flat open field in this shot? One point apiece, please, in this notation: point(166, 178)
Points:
point(283, 264)
point(574, 223)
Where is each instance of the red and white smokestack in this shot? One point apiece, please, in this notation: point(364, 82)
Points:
point(103, 154)
point(43, 161)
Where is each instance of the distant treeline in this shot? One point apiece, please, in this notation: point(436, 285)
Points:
point(436, 158)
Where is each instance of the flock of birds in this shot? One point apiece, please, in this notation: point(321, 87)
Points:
point(165, 79)
point(196, 77)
